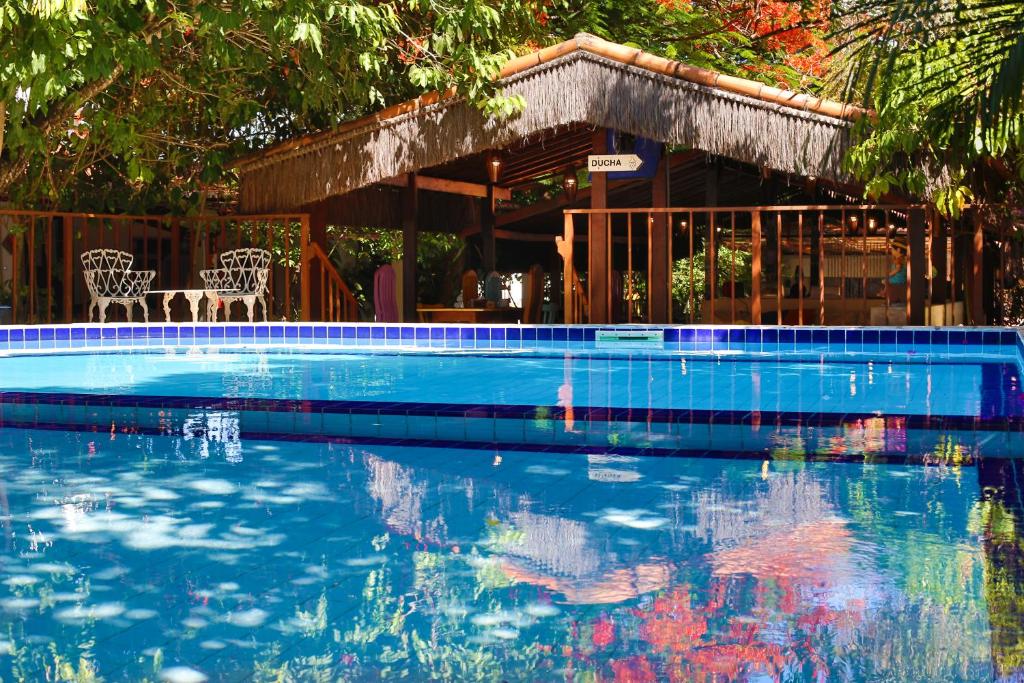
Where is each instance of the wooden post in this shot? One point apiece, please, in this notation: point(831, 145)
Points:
point(305, 257)
point(659, 258)
point(175, 281)
point(564, 246)
point(15, 279)
point(940, 246)
point(977, 271)
point(711, 178)
point(410, 242)
point(821, 267)
point(487, 247)
point(755, 268)
point(599, 242)
point(917, 267)
point(68, 230)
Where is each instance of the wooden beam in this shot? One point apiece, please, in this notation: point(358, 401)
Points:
point(517, 236)
point(556, 148)
point(459, 187)
point(541, 207)
point(410, 212)
point(599, 247)
point(917, 273)
point(659, 258)
point(559, 201)
point(550, 161)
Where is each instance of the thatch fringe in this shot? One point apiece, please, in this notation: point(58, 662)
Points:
point(578, 88)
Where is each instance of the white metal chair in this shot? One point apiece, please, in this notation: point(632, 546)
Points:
point(110, 279)
point(242, 277)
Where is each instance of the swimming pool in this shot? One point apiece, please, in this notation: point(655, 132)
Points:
point(382, 501)
point(832, 394)
point(136, 555)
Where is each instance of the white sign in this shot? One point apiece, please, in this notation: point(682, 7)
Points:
point(608, 163)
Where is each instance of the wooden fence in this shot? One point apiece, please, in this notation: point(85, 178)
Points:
point(799, 265)
point(41, 273)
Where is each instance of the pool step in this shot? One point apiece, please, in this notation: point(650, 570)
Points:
point(629, 339)
point(848, 438)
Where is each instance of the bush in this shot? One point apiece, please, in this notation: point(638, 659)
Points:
point(723, 272)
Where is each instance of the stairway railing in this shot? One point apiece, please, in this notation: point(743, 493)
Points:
point(337, 303)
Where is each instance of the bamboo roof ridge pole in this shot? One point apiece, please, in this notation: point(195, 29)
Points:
point(634, 56)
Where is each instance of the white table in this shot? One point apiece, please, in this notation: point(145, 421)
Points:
point(193, 296)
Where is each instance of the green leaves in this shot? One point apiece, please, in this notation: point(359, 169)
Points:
point(947, 80)
point(306, 32)
point(139, 105)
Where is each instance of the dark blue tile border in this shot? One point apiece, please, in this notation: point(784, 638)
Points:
point(488, 448)
point(687, 416)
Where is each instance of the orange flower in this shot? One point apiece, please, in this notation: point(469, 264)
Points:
point(634, 670)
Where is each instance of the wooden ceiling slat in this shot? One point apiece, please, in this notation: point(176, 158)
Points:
point(517, 162)
point(547, 166)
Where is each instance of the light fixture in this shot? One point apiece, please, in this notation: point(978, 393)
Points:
point(495, 161)
point(872, 223)
point(570, 184)
point(853, 219)
point(683, 224)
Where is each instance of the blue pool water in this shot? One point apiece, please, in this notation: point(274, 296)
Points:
point(143, 557)
point(638, 380)
point(189, 514)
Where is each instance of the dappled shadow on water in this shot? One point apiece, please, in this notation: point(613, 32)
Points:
point(134, 555)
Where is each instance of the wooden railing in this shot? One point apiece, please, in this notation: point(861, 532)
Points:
point(336, 302)
point(576, 300)
point(41, 277)
point(821, 264)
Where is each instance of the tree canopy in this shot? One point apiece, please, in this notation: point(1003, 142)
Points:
point(153, 97)
point(140, 104)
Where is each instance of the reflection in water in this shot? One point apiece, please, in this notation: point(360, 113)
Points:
point(1000, 516)
point(135, 557)
point(214, 429)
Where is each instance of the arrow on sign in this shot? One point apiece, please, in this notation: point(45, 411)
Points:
point(608, 163)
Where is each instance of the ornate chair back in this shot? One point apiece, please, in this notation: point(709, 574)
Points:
point(106, 273)
point(248, 270)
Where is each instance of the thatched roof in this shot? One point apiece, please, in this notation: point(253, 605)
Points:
point(583, 81)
